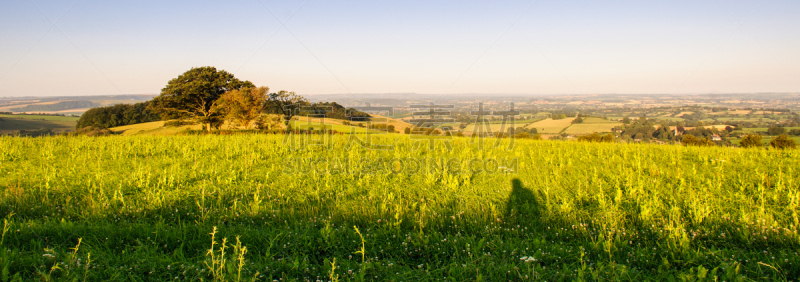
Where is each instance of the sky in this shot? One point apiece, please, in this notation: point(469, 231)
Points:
point(540, 47)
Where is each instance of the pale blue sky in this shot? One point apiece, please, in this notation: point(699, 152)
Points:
point(431, 47)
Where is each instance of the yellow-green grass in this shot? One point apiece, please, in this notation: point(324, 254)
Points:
point(153, 128)
point(399, 125)
point(550, 126)
point(143, 208)
point(316, 125)
point(683, 113)
point(718, 126)
point(588, 128)
point(41, 117)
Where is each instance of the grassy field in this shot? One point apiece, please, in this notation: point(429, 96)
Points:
point(10, 124)
point(41, 117)
point(153, 128)
point(209, 207)
point(764, 129)
point(551, 126)
point(495, 127)
point(592, 125)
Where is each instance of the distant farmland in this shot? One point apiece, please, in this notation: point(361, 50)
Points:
point(10, 124)
point(550, 126)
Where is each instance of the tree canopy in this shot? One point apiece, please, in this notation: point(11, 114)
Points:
point(751, 141)
point(783, 142)
point(195, 93)
point(243, 106)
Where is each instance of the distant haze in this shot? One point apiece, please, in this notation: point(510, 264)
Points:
point(431, 47)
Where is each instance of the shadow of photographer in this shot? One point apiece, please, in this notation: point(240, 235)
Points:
point(523, 205)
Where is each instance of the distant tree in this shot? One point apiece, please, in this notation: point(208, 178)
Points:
point(751, 141)
point(690, 140)
point(407, 130)
point(596, 137)
point(578, 119)
point(536, 137)
point(522, 135)
point(195, 93)
point(729, 129)
point(268, 121)
point(390, 128)
point(243, 106)
point(774, 131)
point(795, 132)
point(332, 110)
point(285, 103)
point(116, 115)
point(626, 120)
point(783, 142)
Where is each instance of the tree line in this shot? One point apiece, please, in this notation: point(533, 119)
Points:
point(213, 97)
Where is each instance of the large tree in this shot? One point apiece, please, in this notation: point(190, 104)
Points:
point(751, 141)
point(783, 142)
point(195, 93)
point(243, 106)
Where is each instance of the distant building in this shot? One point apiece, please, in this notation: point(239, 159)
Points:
point(716, 138)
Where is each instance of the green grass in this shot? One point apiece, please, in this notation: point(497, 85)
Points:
point(551, 126)
point(143, 208)
point(41, 117)
point(10, 124)
point(744, 119)
point(153, 128)
point(764, 129)
point(336, 127)
point(667, 118)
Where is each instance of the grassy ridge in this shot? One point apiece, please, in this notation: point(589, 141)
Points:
point(143, 208)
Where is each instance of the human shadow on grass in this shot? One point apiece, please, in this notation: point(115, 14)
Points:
point(523, 205)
